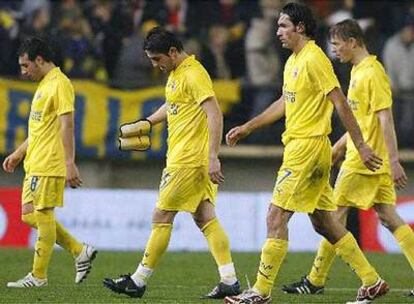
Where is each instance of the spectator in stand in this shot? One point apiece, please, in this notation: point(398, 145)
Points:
point(77, 50)
point(28, 7)
point(215, 52)
point(133, 69)
point(110, 22)
point(36, 24)
point(262, 57)
point(399, 62)
point(9, 30)
point(263, 73)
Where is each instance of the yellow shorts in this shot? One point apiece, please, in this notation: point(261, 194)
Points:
point(43, 191)
point(363, 190)
point(302, 183)
point(183, 189)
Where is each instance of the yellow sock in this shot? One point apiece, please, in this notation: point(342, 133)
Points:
point(63, 238)
point(273, 254)
point(405, 237)
point(156, 245)
point(67, 241)
point(30, 219)
point(348, 250)
point(322, 263)
point(218, 242)
point(46, 238)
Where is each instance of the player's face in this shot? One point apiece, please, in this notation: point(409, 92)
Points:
point(287, 32)
point(162, 61)
point(30, 69)
point(342, 49)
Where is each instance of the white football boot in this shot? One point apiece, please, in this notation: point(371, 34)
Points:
point(27, 282)
point(83, 263)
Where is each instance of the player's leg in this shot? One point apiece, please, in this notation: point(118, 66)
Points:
point(63, 237)
point(28, 217)
point(48, 192)
point(39, 197)
point(157, 245)
point(346, 247)
point(46, 229)
point(314, 282)
point(273, 253)
point(401, 231)
point(219, 245)
point(274, 249)
point(134, 285)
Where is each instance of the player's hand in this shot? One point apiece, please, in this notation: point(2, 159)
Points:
point(398, 175)
point(372, 161)
point(72, 176)
point(235, 134)
point(11, 161)
point(216, 176)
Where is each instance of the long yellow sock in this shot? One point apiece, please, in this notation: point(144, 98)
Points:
point(218, 242)
point(67, 241)
point(405, 237)
point(322, 263)
point(30, 219)
point(273, 254)
point(156, 245)
point(63, 237)
point(46, 238)
point(348, 250)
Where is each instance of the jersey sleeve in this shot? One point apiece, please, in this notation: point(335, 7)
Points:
point(199, 85)
point(379, 91)
point(322, 71)
point(65, 98)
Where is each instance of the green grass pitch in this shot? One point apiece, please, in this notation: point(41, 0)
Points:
point(183, 277)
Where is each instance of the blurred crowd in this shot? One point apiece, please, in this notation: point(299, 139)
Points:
point(234, 39)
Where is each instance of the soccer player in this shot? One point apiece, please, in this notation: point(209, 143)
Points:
point(193, 171)
point(310, 91)
point(49, 162)
point(369, 97)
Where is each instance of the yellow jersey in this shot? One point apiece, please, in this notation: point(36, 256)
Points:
point(45, 154)
point(308, 79)
point(187, 87)
point(369, 91)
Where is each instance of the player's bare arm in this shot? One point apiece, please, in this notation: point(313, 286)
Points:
point(339, 149)
point(68, 138)
point(13, 160)
point(368, 157)
point(158, 116)
point(215, 132)
point(387, 126)
point(272, 114)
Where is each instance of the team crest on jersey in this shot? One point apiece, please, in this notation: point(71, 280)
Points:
point(289, 96)
point(36, 115)
point(172, 108)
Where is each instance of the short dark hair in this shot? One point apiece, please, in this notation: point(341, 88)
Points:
point(301, 13)
point(346, 29)
point(34, 47)
point(160, 40)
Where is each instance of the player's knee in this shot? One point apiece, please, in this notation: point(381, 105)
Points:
point(29, 219)
point(162, 216)
point(389, 219)
point(320, 228)
point(27, 208)
point(276, 224)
